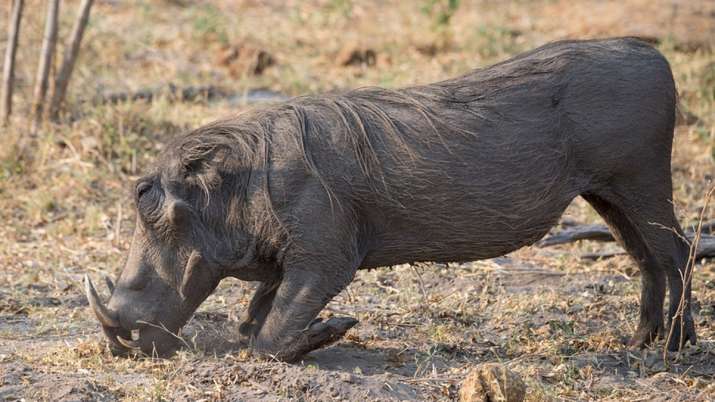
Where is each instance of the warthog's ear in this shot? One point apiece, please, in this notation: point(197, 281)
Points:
point(178, 212)
point(190, 272)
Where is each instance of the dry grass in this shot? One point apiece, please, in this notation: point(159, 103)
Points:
point(558, 321)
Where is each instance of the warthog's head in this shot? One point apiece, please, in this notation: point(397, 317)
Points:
point(189, 234)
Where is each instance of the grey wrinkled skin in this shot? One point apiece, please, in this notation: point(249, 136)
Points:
point(302, 194)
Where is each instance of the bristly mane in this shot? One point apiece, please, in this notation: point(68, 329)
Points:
point(358, 114)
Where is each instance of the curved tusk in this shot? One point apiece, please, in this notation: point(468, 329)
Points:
point(109, 283)
point(127, 343)
point(100, 310)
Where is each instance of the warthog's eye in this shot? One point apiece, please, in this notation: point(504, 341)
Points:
point(142, 189)
point(148, 198)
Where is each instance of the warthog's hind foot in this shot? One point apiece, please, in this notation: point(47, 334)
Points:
point(647, 334)
point(679, 338)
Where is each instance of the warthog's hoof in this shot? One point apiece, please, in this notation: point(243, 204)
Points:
point(678, 337)
point(316, 335)
point(322, 333)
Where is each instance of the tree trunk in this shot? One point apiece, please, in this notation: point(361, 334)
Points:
point(8, 75)
point(70, 57)
point(43, 69)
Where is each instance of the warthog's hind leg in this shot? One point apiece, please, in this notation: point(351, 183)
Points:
point(648, 230)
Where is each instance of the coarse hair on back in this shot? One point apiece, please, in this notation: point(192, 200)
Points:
point(358, 116)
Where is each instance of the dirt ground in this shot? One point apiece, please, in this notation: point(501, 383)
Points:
point(557, 320)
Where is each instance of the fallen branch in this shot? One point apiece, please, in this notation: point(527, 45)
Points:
point(578, 232)
point(601, 255)
point(706, 246)
point(600, 233)
point(706, 227)
point(705, 249)
point(8, 75)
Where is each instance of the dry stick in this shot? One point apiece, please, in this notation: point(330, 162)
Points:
point(578, 232)
point(43, 69)
point(69, 59)
point(8, 75)
point(163, 328)
point(687, 278)
point(421, 282)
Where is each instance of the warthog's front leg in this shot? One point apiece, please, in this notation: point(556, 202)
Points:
point(290, 329)
point(254, 316)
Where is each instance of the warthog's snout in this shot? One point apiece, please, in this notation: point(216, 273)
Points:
point(128, 334)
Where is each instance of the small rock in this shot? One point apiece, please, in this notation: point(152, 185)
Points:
point(492, 382)
point(347, 377)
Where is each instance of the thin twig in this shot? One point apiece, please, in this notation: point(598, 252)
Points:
point(118, 224)
point(686, 278)
point(162, 327)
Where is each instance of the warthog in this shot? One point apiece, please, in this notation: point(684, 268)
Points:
point(300, 195)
